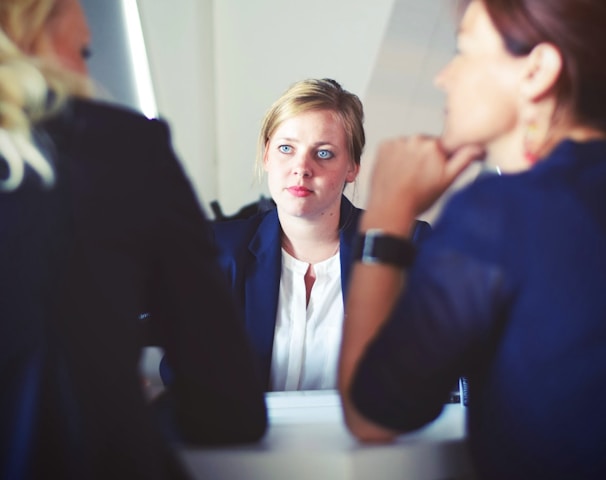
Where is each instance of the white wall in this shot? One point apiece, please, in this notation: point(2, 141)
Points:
point(263, 46)
point(401, 98)
point(180, 46)
point(218, 65)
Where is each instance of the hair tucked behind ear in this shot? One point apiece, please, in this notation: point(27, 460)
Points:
point(578, 30)
point(23, 101)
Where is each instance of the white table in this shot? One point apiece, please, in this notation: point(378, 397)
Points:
point(308, 440)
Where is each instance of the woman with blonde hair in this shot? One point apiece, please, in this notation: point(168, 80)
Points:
point(99, 224)
point(288, 267)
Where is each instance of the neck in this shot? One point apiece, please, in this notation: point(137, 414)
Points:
point(585, 134)
point(508, 152)
point(309, 241)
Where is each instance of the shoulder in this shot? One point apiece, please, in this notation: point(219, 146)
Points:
point(349, 216)
point(480, 217)
point(236, 234)
point(110, 136)
point(90, 120)
point(109, 114)
point(481, 197)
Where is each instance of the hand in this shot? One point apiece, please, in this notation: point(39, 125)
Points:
point(409, 175)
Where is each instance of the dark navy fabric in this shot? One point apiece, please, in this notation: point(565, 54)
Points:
point(509, 292)
point(120, 233)
point(250, 255)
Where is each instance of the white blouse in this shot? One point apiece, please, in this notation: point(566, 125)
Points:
point(307, 339)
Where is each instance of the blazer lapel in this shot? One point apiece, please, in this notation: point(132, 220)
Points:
point(262, 289)
point(348, 225)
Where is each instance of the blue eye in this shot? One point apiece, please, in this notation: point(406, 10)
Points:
point(285, 148)
point(325, 154)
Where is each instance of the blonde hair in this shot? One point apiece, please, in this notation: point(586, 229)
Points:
point(315, 94)
point(25, 83)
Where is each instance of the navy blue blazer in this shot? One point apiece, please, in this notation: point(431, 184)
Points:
point(120, 233)
point(509, 292)
point(250, 254)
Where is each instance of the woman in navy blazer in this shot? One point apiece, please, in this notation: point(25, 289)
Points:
point(250, 254)
point(310, 146)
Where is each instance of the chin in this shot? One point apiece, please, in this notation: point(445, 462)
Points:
point(450, 143)
point(294, 210)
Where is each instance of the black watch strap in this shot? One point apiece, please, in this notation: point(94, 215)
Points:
point(375, 246)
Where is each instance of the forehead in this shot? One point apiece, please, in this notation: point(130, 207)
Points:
point(476, 26)
point(312, 122)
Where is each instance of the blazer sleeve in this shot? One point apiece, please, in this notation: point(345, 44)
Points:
point(215, 394)
point(420, 231)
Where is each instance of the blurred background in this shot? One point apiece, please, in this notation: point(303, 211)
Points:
point(212, 68)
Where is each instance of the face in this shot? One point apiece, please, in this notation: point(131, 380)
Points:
point(308, 164)
point(482, 87)
point(68, 36)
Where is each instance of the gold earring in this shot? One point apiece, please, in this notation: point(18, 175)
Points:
point(530, 140)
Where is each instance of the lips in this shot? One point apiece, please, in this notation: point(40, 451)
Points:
point(299, 191)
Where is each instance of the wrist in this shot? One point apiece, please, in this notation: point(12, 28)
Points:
point(375, 246)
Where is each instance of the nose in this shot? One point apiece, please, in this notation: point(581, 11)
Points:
point(441, 77)
point(302, 165)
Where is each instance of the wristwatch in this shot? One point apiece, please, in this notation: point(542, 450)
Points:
point(376, 246)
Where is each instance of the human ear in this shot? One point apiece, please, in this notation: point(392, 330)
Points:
point(352, 173)
point(543, 68)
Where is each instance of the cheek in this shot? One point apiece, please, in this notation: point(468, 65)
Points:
point(69, 54)
point(271, 174)
point(481, 109)
point(75, 63)
point(275, 175)
point(337, 182)
point(274, 167)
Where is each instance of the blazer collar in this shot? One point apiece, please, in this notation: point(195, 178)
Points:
point(263, 278)
point(348, 225)
point(265, 245)
point(263, 287)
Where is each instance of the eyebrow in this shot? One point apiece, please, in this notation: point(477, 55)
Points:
point(317, 144)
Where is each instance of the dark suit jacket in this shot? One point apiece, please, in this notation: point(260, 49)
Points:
point(121, 233)
point(522, 315)
point(250, 255)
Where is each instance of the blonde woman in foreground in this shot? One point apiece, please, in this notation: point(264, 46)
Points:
point(99, 224)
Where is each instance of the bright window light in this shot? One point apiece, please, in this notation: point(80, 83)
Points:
point(136, 42)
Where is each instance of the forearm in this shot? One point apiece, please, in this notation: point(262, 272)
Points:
point(373, 291)
point(408, 176)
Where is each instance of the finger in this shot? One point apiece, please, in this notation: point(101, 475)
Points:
point(461, 159)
